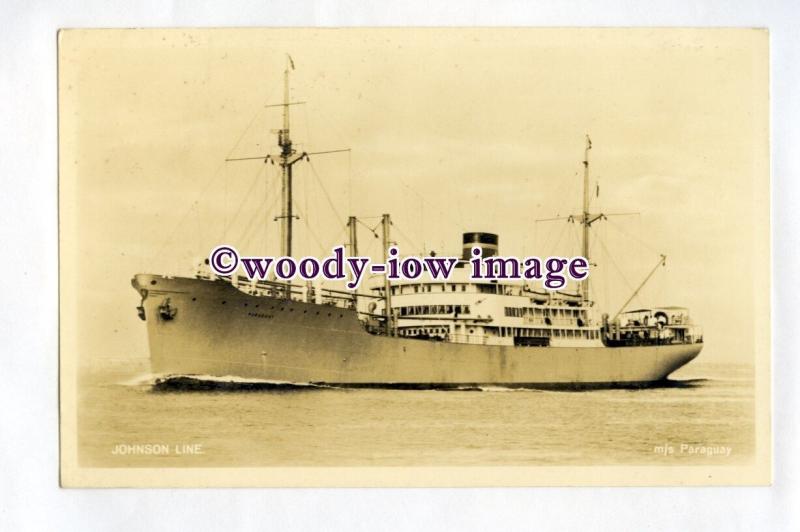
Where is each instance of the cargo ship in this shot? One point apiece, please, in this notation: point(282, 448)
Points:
point(422, 334)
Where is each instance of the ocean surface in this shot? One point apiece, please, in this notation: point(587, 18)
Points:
point(707, 417)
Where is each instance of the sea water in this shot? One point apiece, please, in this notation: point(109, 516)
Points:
point(706, 417)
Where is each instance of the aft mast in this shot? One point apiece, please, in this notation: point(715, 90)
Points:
point(585, 218)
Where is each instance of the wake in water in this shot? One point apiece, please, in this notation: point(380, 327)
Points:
point(687, 383)
point(230, 383)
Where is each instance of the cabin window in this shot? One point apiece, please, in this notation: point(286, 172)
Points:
point(463, 288)
point(452, 288)
point(443, 288)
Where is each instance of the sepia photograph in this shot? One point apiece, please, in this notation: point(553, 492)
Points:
point(414, 257)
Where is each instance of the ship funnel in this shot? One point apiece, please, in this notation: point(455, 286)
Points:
point(486, 241)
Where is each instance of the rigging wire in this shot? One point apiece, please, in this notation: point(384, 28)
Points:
point(258, 214)
point(409, 239)
point(180, 223)
point(247, 196)
point(560, 235)
point(337, 239)
point(211, 180)
point(349, 181)
point(619, 270)
point(325, 191)
point(633, 237)
point(372, 230)
point(435, 209)
point(261, 214)
point(308, 227)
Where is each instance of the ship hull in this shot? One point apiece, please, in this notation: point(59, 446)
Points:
point(218, 330)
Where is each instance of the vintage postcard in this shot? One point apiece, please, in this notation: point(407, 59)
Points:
point(414, 257)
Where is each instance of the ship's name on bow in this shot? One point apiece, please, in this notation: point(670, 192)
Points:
point(263, 315)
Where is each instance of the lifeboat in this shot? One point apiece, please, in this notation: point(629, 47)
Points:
point(572, 300)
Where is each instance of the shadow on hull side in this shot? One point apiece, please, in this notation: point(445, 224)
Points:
point(189, 383)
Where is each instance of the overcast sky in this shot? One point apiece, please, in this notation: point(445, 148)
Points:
point(450, 130)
